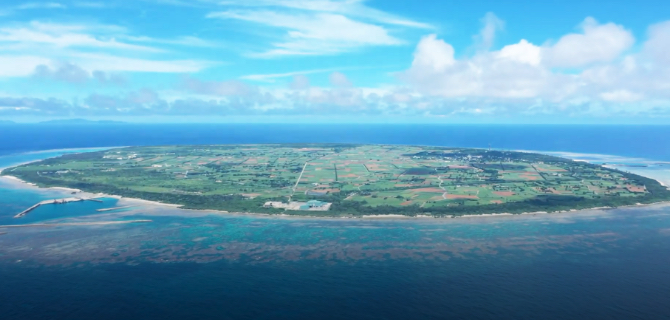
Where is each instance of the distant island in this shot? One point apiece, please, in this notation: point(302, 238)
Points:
point(345, 180)
point(81, 121)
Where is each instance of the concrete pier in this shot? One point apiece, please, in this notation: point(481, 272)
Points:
point(53, 201)
point(25, 212)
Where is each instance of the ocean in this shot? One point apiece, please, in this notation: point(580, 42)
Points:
point(629, 140)
point(608, 264)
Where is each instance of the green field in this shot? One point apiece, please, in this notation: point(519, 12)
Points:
point(356, 179)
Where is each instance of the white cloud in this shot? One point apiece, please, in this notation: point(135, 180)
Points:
point(94, 47)
point(596, 43)
point(658, 44)
point(38, 5)
point(61, 36)
point(525, 74)
point(595, 71)
point(433, 54)
point(621, 96)
point(523, 52)
point(338, 79)
point(491, 24)
point(300, 82)
point(67, 72)
point(351, 8)
point(218, 88)
point(23, 66)
point(313, 34)
point(271, 77)
point(106, 62)
point(20, 66)
point(72, 73)
point(189, 41)
point(317, 27)
point(510, 73)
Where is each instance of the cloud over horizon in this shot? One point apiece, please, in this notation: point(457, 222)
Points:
point(326, 57)
point(592, 67)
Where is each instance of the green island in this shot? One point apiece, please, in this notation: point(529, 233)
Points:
point(345, 180)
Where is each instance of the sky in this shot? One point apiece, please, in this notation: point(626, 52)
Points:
point(336, 61)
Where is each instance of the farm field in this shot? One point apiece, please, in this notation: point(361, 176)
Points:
point(356, 179)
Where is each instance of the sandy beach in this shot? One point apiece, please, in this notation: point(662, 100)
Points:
point(123, 200)
point(19, 182)
point(176, 209)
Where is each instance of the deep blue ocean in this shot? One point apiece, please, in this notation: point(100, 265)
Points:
point(595, 265)
point(639, 141)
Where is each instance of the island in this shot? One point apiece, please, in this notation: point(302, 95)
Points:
point(345, 180)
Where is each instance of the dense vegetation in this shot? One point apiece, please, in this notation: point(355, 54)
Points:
point(501, 170)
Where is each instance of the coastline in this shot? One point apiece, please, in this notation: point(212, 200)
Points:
point(19, 164)
point(15, 180)
point(75, 150)
point(189, 212)
point(148, 203)
point(64, 149)
point(611, 161)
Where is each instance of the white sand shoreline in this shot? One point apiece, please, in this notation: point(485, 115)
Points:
point(52, 150)
point(189, 212)
point(149, 203)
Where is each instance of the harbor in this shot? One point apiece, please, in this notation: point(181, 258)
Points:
point(54, 201)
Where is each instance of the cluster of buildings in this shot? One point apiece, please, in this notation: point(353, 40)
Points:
point(311, 205)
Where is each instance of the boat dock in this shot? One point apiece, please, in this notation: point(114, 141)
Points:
point(53, 201)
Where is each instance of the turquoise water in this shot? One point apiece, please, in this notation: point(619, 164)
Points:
point(21, 200)
point(194, 265)
point(607, 265)
point(15, 199)
point(18, 158)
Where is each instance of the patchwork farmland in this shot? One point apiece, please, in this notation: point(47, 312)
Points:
point(356, 179)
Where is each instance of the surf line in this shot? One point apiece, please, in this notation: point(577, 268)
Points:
point(65, 224)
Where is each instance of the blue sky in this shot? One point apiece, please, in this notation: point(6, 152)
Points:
point(336, 61)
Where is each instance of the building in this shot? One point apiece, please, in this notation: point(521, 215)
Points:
point(317, 193)
point(313, 204)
